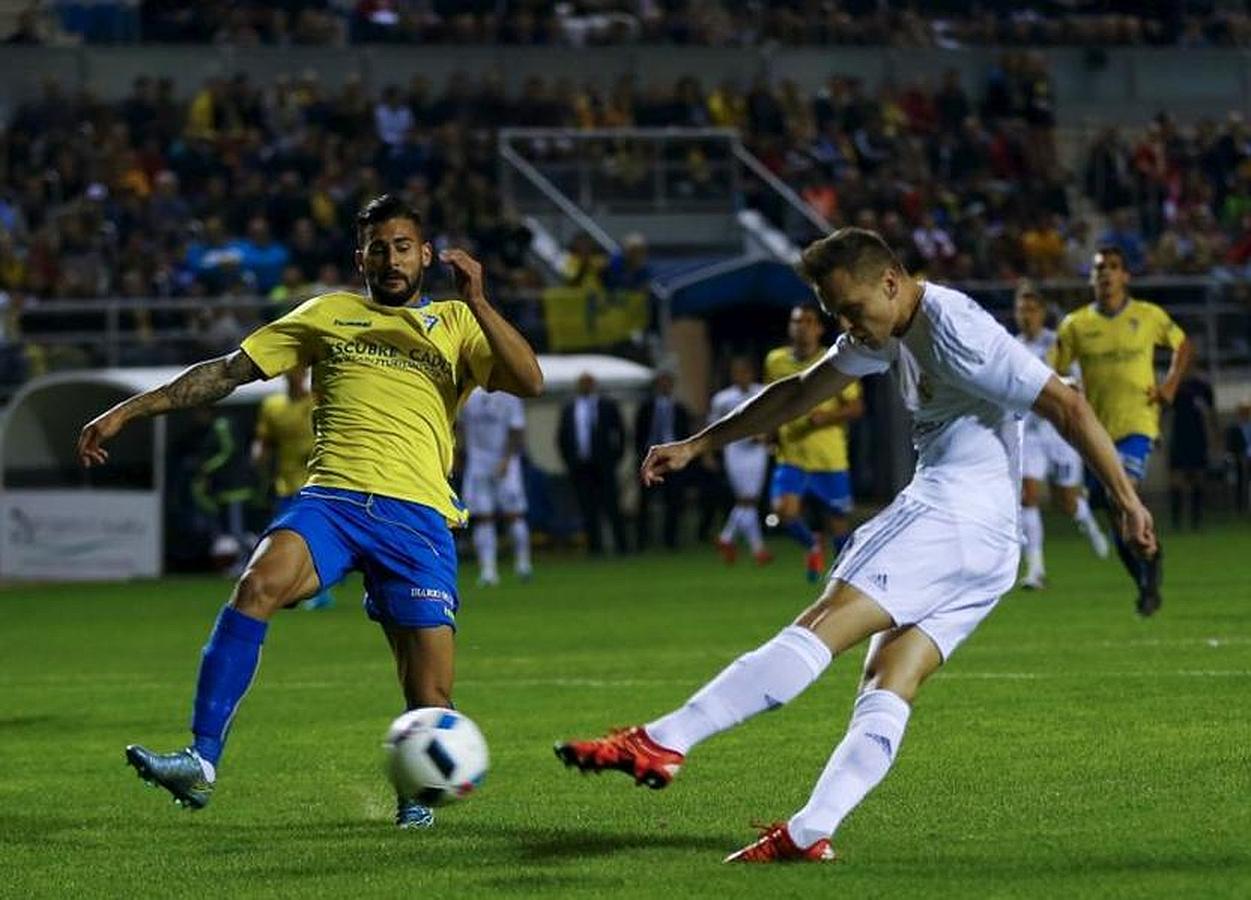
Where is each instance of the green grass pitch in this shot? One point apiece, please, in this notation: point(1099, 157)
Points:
point(1068, 749)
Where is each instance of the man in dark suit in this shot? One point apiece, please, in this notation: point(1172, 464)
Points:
point(661, 419)
point(591, 441)
point(1238, 451)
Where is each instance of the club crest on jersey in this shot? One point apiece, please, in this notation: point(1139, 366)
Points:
point(1133, 324)
point(429, 320)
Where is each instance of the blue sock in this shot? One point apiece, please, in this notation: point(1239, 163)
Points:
point(227, 665)
point(800, 532)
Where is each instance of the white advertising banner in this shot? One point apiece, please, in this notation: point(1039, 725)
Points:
point(76, 535)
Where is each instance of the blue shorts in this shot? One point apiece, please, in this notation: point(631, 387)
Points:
point(1135, 453)
point(405, 550)
point(833, 488)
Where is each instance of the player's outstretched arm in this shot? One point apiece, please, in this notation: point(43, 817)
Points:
point(776, 405)
point(205, 382)
point(1178, 366)
point(516, 369)
point(1072, 416)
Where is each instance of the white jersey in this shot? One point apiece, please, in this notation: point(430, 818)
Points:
point(486, 420)
point(724, 402)
point(1035, 425)
point(967, 384)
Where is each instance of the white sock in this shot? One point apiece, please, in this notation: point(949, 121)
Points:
point(730, 528)
point(484, 546)
point(1084, 518)
point(1032, 526)
point(751, 528)
point(858, 764)
point(209, 770)
point(766, 678)
point(520, 531)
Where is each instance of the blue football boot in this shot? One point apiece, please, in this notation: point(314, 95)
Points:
point(411, 814)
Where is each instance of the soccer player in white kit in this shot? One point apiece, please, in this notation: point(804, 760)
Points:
point(746, 463)
point(1045, 456)
point(918, 577)
point(493, 435)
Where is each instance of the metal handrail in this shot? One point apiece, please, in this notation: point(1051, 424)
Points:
point(557, 197)
point(761, 171)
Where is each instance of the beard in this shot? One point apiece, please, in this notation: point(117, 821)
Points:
point(394, 296)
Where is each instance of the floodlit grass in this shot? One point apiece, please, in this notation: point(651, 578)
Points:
point(1068, 749)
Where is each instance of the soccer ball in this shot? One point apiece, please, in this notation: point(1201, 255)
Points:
point(435, 756)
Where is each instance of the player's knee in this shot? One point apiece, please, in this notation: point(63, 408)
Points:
point(258, 594)
point(903, 684)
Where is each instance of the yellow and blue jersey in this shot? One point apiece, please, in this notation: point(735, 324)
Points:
point(800, 444)
point(1116, 354)
point(287, 426)
point(387, 385)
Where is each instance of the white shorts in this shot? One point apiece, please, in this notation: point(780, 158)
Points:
point(746, 468)
point(486, 494)
point(1048, 457)
point(930, 569)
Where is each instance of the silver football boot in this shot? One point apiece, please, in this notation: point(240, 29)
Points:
point(180, 773)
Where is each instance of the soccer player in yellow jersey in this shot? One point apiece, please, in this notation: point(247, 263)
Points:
point(283, 442)
point(1113, 339)
point(390, 370)
point(812, 450)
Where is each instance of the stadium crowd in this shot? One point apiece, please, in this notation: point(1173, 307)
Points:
point(734, 23)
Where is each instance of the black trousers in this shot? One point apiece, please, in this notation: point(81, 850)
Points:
point(598, 495)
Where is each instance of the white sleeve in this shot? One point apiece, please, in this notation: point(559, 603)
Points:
point(516, 413)
point(851, 357)
point(980, 356)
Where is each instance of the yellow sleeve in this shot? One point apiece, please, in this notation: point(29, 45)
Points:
point(475, 350)
point(284, 343)
point(770, 368)
point(1168, 332)
point(851, 393)
point(1062, 356)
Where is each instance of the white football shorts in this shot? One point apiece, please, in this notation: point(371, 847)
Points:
point(745, 467)
point(486, 494)
point(930, 569)
point(1048, 457)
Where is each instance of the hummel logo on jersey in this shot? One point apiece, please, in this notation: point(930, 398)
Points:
point(883, 742)
point(772, 703)
point(353, 323)
point(429, 321)
point(879, 580)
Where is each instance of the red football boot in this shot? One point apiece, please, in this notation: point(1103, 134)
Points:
point(627, 750)
point(763, 557)
point(814, 565)
point(776, 845)
point(728, 551)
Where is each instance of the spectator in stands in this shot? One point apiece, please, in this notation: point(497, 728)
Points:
point(1124, 234)
point(584, 264)
point(261, 256)
point(591, 441)
point(629, 270)
point(392, 117)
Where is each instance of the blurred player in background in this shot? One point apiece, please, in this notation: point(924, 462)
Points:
point(920, 576)
point(746, 463)
point(1113, 340)
point(493, 434)
point(1047, 457)
point(812, 449)
point(390, 369)
point(282, 444)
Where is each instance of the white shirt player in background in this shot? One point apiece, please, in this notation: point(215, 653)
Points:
point(492, 427)
point(746, 463)
point(921, 575)
point(1047, 457)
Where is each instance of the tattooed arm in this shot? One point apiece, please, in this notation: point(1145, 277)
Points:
point(205, 382)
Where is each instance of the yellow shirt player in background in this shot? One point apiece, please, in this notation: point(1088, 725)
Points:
point(390, 370)
point(1113, 340)
point(811, 458)
point(281, 446)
